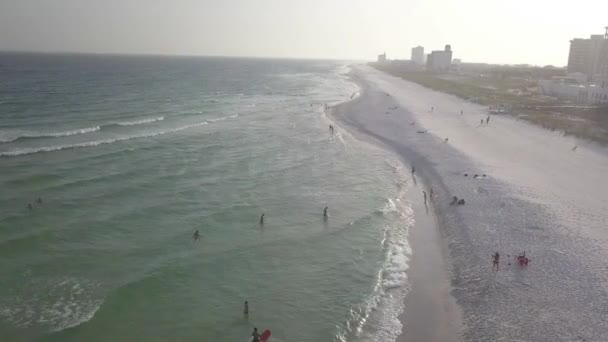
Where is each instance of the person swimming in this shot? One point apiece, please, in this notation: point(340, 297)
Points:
point(262, 219)
point(325, 212)
point(39, 200)
point(196, 235)
point(29, 206)
point(461, 201)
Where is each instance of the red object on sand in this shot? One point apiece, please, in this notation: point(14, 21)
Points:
point(265, 335)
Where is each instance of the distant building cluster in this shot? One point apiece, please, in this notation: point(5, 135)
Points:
point(439, 61)
point(587, 78)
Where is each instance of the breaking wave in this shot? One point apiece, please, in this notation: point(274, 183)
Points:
point(35, 135)
point(24, 151)
point(141, 121)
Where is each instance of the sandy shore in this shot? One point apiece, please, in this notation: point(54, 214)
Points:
point(535, 193)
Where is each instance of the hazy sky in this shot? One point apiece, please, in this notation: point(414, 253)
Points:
point(499, 31)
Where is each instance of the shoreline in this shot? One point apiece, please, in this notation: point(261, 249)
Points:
point(527, 200)
point(431, 313)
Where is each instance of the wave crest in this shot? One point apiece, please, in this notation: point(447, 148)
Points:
point(35, 135)
point(141, 121)
point(25, 151)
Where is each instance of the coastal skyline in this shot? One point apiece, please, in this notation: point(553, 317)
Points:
point(511, 32)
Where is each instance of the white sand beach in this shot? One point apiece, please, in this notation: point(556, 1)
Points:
point(534, 192)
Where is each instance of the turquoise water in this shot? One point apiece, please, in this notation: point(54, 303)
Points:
point(130, 155)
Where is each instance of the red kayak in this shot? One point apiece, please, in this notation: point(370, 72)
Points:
point(265, 335)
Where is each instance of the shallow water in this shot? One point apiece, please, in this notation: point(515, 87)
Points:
point(130, 155)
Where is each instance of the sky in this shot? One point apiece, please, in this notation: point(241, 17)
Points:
point(506, 31)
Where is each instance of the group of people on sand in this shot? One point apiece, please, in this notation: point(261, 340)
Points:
point(487, 121)
point(522, 260)
point(457, 201)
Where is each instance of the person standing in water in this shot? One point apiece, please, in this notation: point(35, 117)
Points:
point(262, 220)
point(29, 206)
point(325, 212)
point(495, 260)
point(246, 309)
point(39, 200)
point(196, 235)
point(255, 335)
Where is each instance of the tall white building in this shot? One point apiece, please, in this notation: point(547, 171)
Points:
point(418, 55)
point(588, 55)
point(440, 60)
point(382, 58)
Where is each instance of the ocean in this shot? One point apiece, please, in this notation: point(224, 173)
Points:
point(131, 154)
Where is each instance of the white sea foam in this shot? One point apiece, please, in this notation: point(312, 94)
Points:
point(140, 121)
point(8, 137)
point(385, 303)
point(223, 118)
point(53, 304)
point(31, 150)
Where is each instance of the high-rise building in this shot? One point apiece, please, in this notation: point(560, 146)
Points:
point(588, 56)
point(418, 55)
point(382, 58)
point(579, 55)
point(439, 60)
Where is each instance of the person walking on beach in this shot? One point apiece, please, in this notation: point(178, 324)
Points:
point(325, 212)
point(488, 120)
point(461, 112)
point(424, 193)
point(432, 108)
point(413, 170)
point(481, 123)
point(495, 260)
point(262, 220)
point(246, 309)
point(196, 235)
